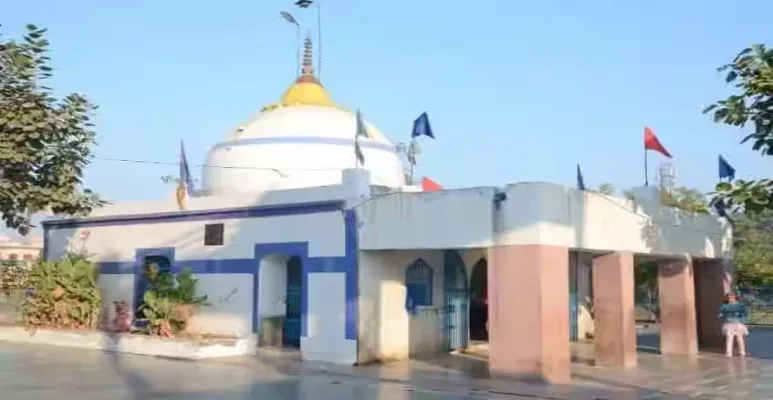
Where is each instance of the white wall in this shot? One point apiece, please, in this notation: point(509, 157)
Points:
point(229, 304)
point(272, 290)
point(537, 213)
point(230, 295)
point(386, 330)
point(323, 231)
point(326, 321)
point(429, 220)
point(547, 213)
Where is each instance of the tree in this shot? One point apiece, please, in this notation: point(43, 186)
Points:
point(753, 242)
point(607, 189)
point(45, 142)
point(685, 199)
point(751, 74)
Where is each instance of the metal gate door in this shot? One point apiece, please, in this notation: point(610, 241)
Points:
point(456, 301)
point(457, 320)
point(291, 331)
point(573, 310)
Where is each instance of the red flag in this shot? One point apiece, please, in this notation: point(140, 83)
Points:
point(428, 185)
point(651, 142)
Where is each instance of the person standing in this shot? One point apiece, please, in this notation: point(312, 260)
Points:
point(733, 315)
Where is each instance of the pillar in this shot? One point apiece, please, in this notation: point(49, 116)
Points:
point(676, 291)
point(529, 312)
point(712, 281)
point(613, 297)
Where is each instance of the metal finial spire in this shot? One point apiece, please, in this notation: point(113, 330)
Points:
point(307, 64)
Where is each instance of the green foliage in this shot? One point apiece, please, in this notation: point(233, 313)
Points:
point(169, 301)
point(751, 75)
point(685, 199)
point(14, 275)
point(606, 188)
point(170, 180)
point(63, 294)
point(753, 240)
point(45, 142)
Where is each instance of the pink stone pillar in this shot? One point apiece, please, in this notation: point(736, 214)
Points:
point(677, 308)
point(712, 282)
point(613, 304)
point(529, 312)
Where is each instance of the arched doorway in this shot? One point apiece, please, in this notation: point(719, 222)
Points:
point(291, 329)
point(456, 300)
point(479, 300)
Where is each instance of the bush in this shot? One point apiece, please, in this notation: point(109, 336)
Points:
point(63, 294)
point(169, 301)
point(14, 275)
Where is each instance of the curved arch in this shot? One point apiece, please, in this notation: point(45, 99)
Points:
point(479, 300)
point(418, 282)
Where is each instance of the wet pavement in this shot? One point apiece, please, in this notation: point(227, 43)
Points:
point(41, 372)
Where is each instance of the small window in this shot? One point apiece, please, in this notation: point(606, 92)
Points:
point(213, 234)
point(418, 283)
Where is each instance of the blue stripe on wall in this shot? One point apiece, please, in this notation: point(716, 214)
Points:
point(347, 264)
point(364, 143)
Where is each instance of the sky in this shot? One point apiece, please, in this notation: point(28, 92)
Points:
point(516, 90)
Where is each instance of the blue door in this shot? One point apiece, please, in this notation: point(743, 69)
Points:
point(456, 301)
point(161, 264)
point(291, 331)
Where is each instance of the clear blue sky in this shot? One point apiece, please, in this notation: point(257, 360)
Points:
point(516, 90)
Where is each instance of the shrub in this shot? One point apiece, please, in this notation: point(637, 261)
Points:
point(169, 301)
point(14, 275)
point(63, 294)
point(122, 321)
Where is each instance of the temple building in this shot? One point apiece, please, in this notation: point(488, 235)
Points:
point(299, 244)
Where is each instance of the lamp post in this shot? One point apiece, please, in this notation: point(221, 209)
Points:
point(289, 18)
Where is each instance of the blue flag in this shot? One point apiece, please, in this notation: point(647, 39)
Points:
point(185, 172)
point(421, 127)
point(725, 169)
point(580, 179)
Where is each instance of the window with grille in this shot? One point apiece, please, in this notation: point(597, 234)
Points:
point(213, 234)
point(418, 283)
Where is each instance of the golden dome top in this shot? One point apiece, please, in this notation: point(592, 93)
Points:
point(306, 90)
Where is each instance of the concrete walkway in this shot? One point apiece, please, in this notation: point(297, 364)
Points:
point(58, 373)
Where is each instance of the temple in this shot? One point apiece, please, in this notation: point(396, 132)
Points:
point(295, 244)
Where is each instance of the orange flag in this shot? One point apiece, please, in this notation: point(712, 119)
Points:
point(428, 185)
point(651, 142)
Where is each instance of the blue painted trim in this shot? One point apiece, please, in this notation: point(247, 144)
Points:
point(45, 244)
point(364, 143)
point(352, 246)
point(299, 249)
point(203, 215)
point(347, 264)
point(139, 262)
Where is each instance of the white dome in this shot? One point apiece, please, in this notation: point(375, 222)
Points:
point(301, 146)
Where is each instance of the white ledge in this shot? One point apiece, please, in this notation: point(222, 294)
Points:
point(131, 343)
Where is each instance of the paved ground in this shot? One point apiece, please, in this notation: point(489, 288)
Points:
point(28, 372)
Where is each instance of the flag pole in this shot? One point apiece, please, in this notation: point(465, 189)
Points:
point(412, 160)
point(646, 177)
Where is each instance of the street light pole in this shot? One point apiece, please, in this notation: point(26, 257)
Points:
point(289, 18)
